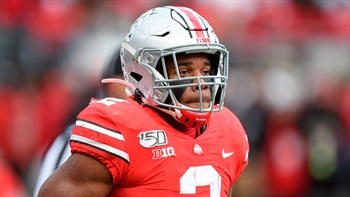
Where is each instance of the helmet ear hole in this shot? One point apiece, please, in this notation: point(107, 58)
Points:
point(136, 76)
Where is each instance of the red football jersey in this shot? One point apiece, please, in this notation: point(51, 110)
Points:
point(148, 157)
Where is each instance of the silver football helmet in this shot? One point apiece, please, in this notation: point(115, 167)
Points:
point(168, 31)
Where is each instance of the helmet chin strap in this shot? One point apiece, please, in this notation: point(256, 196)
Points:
point(191, 118)
point(120, 81)
point(187, 117)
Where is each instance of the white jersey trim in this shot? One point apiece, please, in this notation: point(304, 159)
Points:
point(99, 129)
point(99, 145)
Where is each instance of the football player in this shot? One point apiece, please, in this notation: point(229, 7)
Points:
point(172, 136)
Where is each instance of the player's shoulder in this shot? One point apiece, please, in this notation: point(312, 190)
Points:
point(233, 125)
point(115, 105)
point(228, 114)
point(231, 121)
point(113, 111)
point(110, 102)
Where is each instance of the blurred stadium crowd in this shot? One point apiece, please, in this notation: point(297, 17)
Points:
point(289, 84)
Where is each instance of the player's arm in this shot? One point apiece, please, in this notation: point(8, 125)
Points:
point(80, 175)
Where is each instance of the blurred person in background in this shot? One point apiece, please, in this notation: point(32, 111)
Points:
point(10, 183)
point(173, 136)
point(293, 59)
point(41, 86)
point(60, 150)
point(31, 86)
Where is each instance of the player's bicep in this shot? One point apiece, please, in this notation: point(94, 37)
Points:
point(80, 175)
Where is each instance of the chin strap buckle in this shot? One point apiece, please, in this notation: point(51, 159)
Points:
point(138, 96)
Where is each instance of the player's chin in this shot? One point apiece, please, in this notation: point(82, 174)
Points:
point(197, 105)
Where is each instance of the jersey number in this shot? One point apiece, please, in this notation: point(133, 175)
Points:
point(201, 176)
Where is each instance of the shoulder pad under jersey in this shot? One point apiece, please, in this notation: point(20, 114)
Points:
point(117, 110)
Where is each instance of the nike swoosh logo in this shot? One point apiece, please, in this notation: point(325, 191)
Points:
point(225, 155)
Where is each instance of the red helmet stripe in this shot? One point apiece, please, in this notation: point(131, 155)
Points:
point(194, 21)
